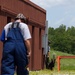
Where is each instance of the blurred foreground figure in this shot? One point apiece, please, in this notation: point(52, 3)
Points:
point(16, 47)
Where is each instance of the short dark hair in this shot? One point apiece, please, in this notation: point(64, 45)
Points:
point(49, 42)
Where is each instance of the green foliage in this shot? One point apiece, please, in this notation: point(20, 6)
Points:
point(62, 39)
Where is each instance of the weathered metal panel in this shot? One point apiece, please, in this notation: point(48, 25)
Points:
point(27, 9)
point(2, 23)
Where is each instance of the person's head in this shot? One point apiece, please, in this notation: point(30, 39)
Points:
point(49, 42)
point(21, 17)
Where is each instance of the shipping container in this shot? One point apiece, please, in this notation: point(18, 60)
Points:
point(36, 17)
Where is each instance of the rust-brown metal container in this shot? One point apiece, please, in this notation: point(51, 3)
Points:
point(36, 17)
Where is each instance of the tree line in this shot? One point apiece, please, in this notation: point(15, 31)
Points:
point(62, 38)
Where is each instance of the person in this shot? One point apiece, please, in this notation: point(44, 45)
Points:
point(52, 62)
point(16, 47)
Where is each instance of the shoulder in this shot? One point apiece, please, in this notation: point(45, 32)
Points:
point(23, 25)
point(7, 25)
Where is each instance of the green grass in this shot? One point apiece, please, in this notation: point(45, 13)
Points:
point(48, 72)
point(41, 72)
point(66, 64)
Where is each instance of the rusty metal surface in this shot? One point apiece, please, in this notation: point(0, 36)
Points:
point(28, 9)
point(36, 22)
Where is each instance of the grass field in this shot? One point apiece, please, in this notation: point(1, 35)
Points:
point(48, 72)
point(67, 66)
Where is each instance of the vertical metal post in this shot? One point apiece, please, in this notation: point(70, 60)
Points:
point(46, 37)
point(58, 63)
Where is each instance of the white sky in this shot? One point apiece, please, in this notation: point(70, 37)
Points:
point(58, 12)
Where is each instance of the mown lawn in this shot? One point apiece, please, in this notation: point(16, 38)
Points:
point(48, 72)
point(65, 64)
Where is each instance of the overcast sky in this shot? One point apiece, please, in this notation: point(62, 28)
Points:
point(58, 12)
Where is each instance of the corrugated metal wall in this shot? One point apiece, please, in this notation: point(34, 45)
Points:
point(36, 22)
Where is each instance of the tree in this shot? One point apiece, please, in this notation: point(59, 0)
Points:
point(62, 39)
